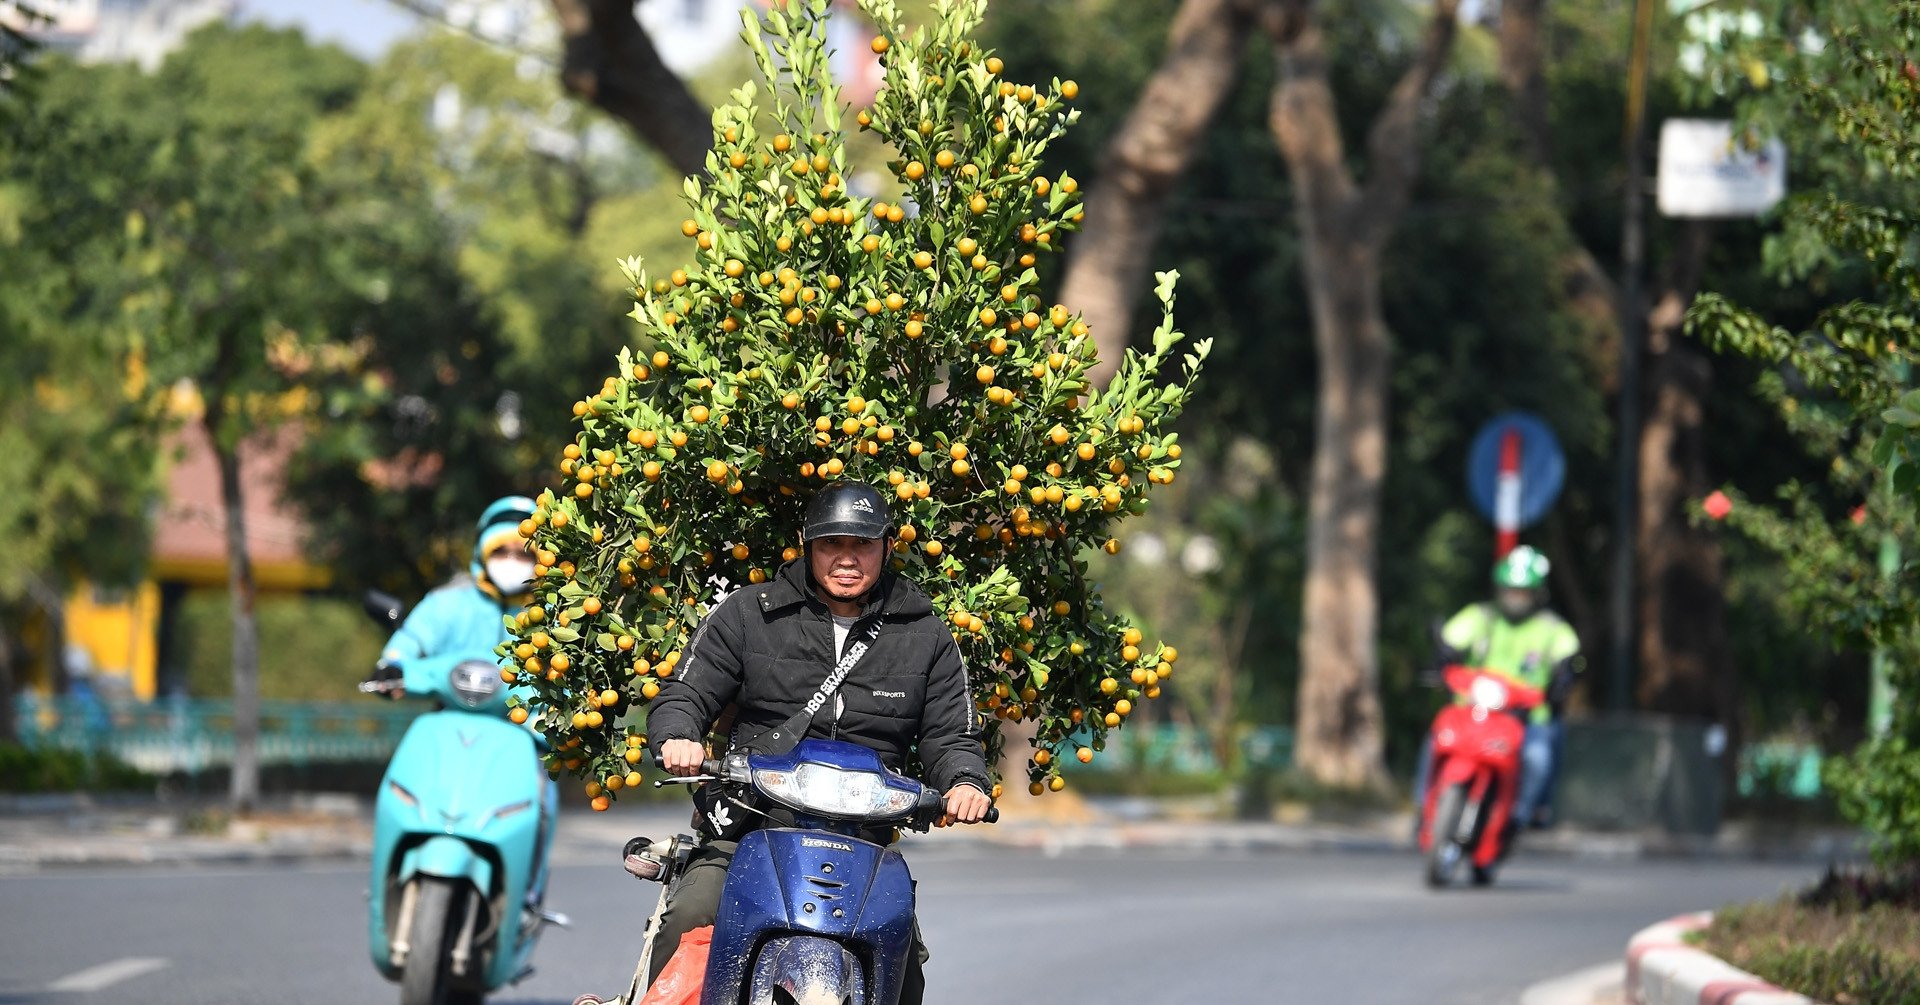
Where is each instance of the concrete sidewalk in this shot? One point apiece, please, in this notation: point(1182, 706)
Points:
point(55, 832)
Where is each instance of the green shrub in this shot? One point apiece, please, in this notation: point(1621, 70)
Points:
point(311, 647)
point(1879, 788)
point(25, 770)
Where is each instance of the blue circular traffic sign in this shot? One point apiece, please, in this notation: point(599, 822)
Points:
point(1543, 467)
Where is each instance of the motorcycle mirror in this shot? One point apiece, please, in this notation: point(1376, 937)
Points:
point(384, 608)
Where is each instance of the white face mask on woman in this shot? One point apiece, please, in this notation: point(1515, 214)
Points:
point(510, 574)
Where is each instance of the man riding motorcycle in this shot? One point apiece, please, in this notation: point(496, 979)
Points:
point(465, 614)
point(766, 650)
point(1517, 637)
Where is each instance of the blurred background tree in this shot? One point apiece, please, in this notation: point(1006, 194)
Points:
point(454, 288)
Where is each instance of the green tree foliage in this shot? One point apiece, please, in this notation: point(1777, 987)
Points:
point(77, 464)
point(1844, 380)
point(492, 188)
point(821, 335)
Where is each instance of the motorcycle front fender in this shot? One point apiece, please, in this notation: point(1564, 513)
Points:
point(448, 858)
point(810, 968)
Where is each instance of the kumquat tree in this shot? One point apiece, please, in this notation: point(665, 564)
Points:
point(819, 334)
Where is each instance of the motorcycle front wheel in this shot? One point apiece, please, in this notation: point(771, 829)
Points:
point(1444, 853)
point(436, 923)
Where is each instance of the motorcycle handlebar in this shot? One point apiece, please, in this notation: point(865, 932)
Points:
point(931, 810)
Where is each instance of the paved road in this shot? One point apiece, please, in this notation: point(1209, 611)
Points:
point(1118, 928)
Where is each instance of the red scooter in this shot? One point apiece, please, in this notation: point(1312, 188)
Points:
point(1475, 774)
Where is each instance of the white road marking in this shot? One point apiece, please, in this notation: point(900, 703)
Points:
point(1578, 988)
point(107, 975)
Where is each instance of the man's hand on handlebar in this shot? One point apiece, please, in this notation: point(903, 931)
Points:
point(966, 804)
point(682, 757)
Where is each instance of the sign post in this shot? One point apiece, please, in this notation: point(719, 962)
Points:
point(1506, 496)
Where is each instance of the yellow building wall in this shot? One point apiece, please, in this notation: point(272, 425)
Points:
point(121, 634)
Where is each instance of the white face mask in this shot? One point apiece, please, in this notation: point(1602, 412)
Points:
point(510, 574)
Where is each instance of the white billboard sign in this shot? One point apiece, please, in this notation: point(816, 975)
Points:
point(1705, 173)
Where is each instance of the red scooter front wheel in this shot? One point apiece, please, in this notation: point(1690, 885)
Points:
point(1446, 848)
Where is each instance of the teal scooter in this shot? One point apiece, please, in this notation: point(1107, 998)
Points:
point(462, 826)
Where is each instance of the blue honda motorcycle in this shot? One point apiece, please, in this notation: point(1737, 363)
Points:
point(813, 913)
point(462, 824)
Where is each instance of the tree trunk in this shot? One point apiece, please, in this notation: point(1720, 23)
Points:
point(1523, 72)
point(608, 61)
point(1586, 290)
point(1344, 227)
point(1126, 205)
point(1231, 642)
point(1685, 668)
point(53, 606)
point(1340, 739)
point(8, 733)
point(244, 789)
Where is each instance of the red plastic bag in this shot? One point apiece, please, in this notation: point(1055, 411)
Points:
point(679, 983)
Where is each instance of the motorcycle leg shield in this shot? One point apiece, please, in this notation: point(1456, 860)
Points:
point(796, 883)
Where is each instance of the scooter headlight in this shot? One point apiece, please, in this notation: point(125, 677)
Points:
point(835, 792)
point(474, 683)
point(1489, 693)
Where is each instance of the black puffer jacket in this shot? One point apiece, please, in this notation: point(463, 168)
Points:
point(766, 649)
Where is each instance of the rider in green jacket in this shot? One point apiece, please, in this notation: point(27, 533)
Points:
point(1517, 637)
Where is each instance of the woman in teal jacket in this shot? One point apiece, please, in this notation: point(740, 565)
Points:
point(467, 613)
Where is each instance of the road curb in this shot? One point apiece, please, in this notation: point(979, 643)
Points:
point(1664, 969)
point(43, 856)
point(67, 833)
point(1254, 837)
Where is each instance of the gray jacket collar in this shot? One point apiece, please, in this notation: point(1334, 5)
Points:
point(894, 595)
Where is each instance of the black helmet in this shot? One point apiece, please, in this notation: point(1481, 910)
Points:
point(847, 509)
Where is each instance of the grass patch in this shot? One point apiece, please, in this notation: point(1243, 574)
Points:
point(1853, 939)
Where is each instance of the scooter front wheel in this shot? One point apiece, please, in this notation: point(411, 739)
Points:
point(436, 919)
point(1444, 853)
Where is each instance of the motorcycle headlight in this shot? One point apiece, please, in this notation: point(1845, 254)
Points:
point(834, 792)
point(474, 683)
point(1489, 693)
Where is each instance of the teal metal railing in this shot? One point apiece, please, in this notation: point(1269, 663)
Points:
point(1780, 769)
point(192, 735)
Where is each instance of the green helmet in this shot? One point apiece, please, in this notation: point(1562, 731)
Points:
point(1523, 568)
